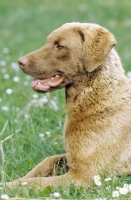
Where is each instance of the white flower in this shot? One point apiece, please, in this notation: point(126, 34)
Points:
point(56, 143)
point(26, 116)
point(56, 194)
point(26, 83)
point(48, 133)
point(117, 188)
point(126, 186)
point(97, 177)
point(41, 135)
point(35, 96)
point(5, 50)
point(115, 194)
point(9, 91)
point(2, 63)
point(6, 76)
point(28, 77)
point(16, 79)
point(107, 179)
point(123, 191)
point(97, 182)
point(17, 109)
point(15, 66)
point(4, 196)
point(42, 101)
point(108, 187)
point(54, 105)
point(129, 187)
point(5, 108)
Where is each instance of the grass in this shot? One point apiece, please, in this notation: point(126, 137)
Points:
point(24, 27)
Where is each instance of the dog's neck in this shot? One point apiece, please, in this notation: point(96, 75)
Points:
point(96, 84)
point(79, 82)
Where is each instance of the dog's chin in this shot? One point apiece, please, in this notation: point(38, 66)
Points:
point(48, 84)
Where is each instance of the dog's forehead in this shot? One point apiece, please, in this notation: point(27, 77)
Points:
point(69, 29)
point(60, 33)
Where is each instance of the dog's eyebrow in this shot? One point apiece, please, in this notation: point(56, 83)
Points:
point(59, 40)
point(56, 41)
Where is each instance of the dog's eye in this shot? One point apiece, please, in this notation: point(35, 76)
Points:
point(57, 46)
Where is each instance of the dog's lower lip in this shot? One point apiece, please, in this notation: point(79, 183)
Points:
point(47, 84)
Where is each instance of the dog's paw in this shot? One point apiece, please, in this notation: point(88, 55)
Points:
point(12, 185)
point(9, 185)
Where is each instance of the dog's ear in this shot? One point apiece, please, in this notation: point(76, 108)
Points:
point(97, 44)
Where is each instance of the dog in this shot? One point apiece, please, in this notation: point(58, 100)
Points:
point(97, 132)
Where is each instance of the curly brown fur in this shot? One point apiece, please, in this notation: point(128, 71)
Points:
point(97, 133)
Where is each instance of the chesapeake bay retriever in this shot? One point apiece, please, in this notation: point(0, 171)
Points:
point(97, 133)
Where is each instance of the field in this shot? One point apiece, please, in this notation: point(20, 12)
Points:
point(31, 124)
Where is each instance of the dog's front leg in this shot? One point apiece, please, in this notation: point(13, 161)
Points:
point(39, 183)
point(46, 167)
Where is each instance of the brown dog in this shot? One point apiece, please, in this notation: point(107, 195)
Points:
point(81, 58)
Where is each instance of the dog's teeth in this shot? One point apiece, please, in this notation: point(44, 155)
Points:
point(54, 77)
point(38, 83)
point(57, 76)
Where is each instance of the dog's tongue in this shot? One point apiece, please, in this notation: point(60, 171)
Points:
point(46, 84)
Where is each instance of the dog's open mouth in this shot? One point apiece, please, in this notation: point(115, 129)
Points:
point(47, 85)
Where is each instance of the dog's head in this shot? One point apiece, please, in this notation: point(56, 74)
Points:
point(70, 51)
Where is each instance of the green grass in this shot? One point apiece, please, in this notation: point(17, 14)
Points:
point(25, 25)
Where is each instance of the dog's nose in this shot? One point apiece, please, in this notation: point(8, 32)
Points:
point(22, 62)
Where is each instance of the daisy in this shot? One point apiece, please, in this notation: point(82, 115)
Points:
point(16, 79)
point(35, 96)
point(107, 179)
point(6, 76)
point(97, 180)
point(3, 63)
point(115, 194)
point(56, 194)
point(41, 135)
point(4, 196)
point(9, 91)
point(5, 50)
point(5, 108)
point(48, 133)
point(123, 191)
